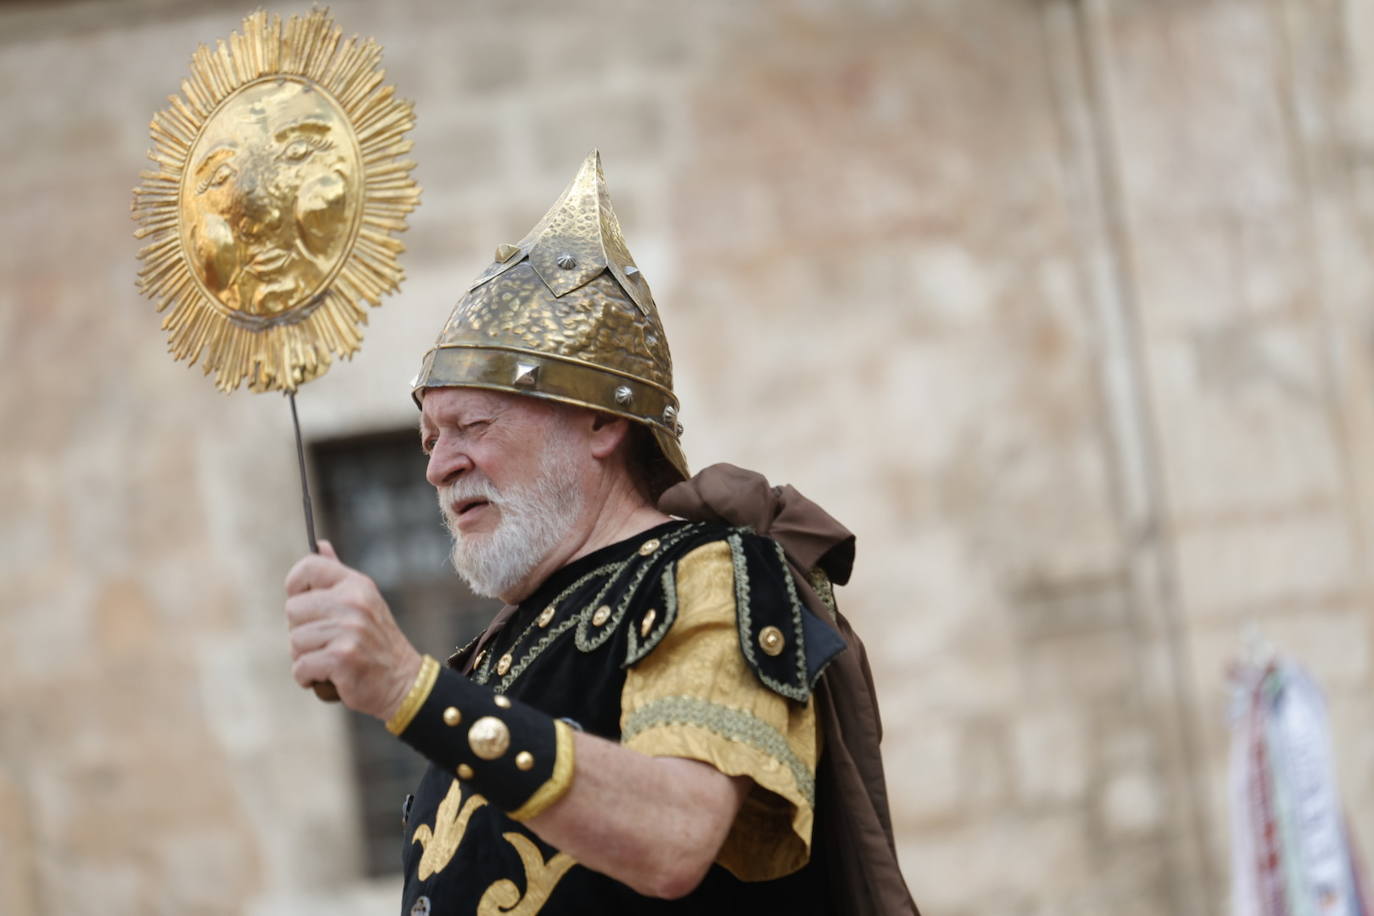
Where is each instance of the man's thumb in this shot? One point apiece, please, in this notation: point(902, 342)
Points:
point(327, 550)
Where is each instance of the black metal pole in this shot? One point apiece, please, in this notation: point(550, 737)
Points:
point(305, 484)
point(325, 690)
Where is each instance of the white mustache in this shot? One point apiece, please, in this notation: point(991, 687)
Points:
point(463, 490)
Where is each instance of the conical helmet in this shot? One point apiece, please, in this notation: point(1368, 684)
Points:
point(566, 315)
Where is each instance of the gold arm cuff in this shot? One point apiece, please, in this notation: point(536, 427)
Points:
point(419, 692)
point(558, 784)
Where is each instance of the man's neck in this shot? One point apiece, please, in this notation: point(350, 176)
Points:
point(613, 511)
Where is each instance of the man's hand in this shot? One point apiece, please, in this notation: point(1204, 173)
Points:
point(342, 631)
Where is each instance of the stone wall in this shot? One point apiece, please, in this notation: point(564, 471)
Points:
point(1063, 306)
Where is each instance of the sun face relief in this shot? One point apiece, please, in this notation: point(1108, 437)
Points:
point(277, 189)
point(270, 202)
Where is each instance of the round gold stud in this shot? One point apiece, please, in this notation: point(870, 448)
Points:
point(502, 701)
point(647, 623)
point(489, 738)
point(464, 771)
point(648, 547)
point(503, 664)
point(602, 615)
point(546, 616)
point(770, 639)
point(452, 716)
point(524, 760)
point(481, 657)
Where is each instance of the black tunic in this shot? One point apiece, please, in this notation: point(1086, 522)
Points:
point(463, 856)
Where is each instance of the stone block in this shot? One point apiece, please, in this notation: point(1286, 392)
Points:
point(18, 886)
point(1180, 264)
point(1050, 755)
point(353, 898)
point(984, 765)
point(1049, 609)
point(460, 144)
point(626, 124)
point(1243, 567)
point(1130, 805)
point(197, 865)
point(1099, 665)
point(1242, 422)
point(930, 745)
point(494, 63)
point(994, 859)
point(965, 678)
point(1333, 643)
point(1197, 125)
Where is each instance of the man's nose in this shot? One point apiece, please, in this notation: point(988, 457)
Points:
point(446, 464)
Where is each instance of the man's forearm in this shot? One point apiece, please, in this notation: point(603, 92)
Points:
point(653, 823)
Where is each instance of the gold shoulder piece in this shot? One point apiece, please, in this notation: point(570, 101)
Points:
point(270, 211)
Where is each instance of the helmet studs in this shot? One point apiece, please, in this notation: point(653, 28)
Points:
point(623, 395)
point(566, 261)
point(505, 252)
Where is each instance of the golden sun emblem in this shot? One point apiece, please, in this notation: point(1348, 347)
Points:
point(271, 211)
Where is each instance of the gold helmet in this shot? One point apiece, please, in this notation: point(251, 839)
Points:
point(566, 315)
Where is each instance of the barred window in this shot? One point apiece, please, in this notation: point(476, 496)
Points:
point(381, 516)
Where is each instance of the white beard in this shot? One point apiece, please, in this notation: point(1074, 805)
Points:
point(534, 518)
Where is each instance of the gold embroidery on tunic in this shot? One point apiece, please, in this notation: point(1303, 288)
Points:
point(450, 824)
point(503, 898)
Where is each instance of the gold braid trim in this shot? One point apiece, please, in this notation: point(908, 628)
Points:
point(559, 783)
point(419, 692)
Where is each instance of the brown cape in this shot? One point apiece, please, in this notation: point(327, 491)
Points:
point(852, 817)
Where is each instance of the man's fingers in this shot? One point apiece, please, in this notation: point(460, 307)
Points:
point(307, 606)
point(312, 668)
point(327, 550)
point(315, 571)
point(311, 636)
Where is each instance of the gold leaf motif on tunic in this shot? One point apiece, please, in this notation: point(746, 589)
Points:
point(503, 898)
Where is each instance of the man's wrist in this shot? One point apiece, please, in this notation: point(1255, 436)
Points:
point(521, 759)
point(403, 711)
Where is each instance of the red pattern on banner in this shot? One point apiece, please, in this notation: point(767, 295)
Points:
point(1269, 857)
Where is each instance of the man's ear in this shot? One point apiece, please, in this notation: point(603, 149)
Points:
point(607, 432)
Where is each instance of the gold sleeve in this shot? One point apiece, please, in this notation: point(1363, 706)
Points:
point(693, 696)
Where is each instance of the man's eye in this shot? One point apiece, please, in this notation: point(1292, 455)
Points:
point(427, 446)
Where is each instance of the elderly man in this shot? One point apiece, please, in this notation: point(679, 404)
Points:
point(639, 730)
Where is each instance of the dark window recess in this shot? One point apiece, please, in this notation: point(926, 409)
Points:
point(380, 514)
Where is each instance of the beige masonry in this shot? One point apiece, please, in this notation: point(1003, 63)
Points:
point(1066, 308)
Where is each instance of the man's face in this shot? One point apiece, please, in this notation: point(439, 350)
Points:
point(509, 474)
